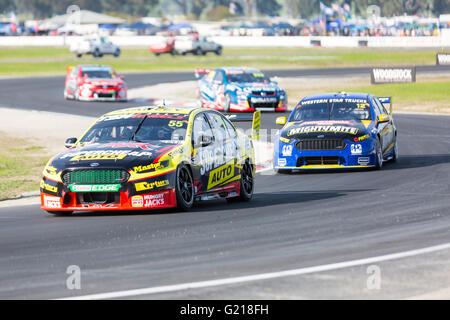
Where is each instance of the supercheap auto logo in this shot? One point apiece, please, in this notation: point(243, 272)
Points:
point(221, 174)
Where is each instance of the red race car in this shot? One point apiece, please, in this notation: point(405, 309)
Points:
point(94, 83)
point(166, 46)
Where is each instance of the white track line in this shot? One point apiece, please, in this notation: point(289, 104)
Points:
point(258, 277)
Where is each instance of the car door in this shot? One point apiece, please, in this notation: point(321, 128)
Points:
point(218, 87)
point(389, 125)
point(226, 150)
point(203, 152)
point(383, 127)
point(206, 87)
point(71, 80)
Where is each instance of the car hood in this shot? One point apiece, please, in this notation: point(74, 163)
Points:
point(104, 81)
point(124, 155)
point(343, 129)
point(254, 86)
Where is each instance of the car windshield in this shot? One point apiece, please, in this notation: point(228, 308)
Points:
point(104, 74)
point(247, 77)
point(138, 127)
point(332, 109)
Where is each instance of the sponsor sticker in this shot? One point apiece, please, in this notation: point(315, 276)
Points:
point(363, 161)
point(149, 200)
point(137, 201)
point(287, 151)
point(94, 187)
point(141, 186)
point(356, 148)
point(310, 129)
point(281, 162)
point(52, 202)
point(443, 59)
point(220, 175)
point(391, 75)
point(48, 187)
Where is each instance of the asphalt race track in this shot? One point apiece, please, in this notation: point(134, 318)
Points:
point(294, 221)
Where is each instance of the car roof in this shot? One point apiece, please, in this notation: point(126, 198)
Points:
point(156, 109)
point(94, 67)
point(245, 69)
point(349, 95)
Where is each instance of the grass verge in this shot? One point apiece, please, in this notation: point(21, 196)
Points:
point(24, 61)
point(430, 95)
point(21, 164)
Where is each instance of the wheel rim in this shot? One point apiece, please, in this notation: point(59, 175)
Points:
point(379, 155)
point(185, 185)
point(247, 179)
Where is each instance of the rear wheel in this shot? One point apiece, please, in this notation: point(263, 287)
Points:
point(96, 53)
point(198, 52)
point(184, 188)
point(247, 184)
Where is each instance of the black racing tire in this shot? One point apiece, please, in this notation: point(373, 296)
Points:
point(79, 55)
point(117, 53)
point(395, 151)
point(247, 184)
point(96, 53)
point(157, 54)
point(378, 155)
point(184, 188)
point(61, 213)
point(198, 52)
point(226, 102)
point(283, 171)
point(218, 51)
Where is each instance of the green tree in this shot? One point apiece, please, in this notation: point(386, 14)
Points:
point(441, 7)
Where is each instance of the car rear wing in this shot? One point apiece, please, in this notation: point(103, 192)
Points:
point(201, 72)
point(247, 117)
point(385, 101)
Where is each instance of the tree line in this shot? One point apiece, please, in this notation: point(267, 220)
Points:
point(197, 9)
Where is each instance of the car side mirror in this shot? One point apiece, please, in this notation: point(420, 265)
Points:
point(70, 142)
point(205, 140)
point(383, 118)
point(281, 121)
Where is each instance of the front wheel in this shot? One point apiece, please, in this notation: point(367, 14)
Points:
point(395, 152)
point(379, 155)
point(218, 51)
point(117, 53)
point(184, 188)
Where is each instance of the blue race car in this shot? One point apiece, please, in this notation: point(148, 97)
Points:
point(239, 89)
point(336, 130)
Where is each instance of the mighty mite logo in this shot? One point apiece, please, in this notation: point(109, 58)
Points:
point(310, 129)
